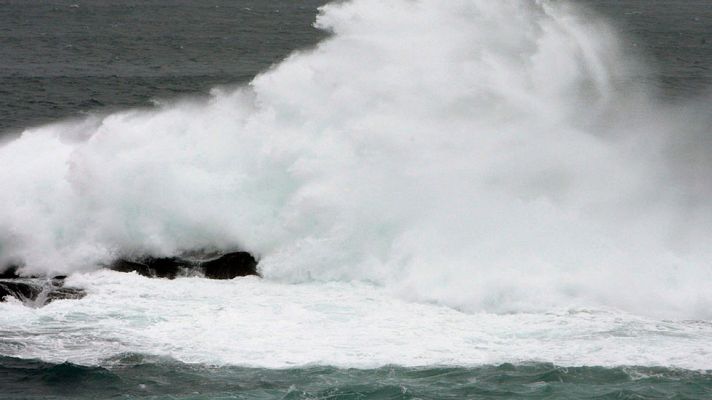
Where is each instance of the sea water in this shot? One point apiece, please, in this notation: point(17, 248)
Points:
point(464, 199)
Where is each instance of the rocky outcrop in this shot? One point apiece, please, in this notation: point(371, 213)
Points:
point(65, 293)
point(37, 292)
point(226, 266)
point(22, 289)
point(230, 266)
point(9, 272)
point(169, 268)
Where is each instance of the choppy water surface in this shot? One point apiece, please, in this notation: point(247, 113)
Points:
point(134, 377)
point(195, 338)
point(64, 58)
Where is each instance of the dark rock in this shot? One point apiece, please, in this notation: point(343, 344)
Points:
point(230, 266)
point(38, 292)
point(65, 293)
point(9, 272)
point(19, 289)
point(130, 266)
point(227, 266)
point(169, 267)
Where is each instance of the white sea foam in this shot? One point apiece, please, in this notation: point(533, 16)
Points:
point(257, 323)
point(486, 155)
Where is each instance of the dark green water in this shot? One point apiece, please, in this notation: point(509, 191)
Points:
point(133, 377)
point(62, 58)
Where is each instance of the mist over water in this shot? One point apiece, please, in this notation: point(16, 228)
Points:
point(489, 156)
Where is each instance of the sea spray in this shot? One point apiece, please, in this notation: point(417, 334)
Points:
point(484, 155)
point(261, 323)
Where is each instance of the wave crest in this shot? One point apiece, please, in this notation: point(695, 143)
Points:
point(494, 156)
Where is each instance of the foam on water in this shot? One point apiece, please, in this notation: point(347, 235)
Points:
point(250, 322)
point(489, 156)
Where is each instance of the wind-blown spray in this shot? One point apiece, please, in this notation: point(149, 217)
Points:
point(485, 155)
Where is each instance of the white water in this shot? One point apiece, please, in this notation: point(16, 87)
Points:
point(251, 322)
point(485, 155)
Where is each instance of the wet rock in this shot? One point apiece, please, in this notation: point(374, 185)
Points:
point(130, 266)
point(37, 292)
point(9, 272)
point(230, 266)
point(65, 293)
point(19, 289)
point(226, 266)
point(169, 267)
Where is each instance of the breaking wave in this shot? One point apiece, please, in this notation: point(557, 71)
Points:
point(497, 156)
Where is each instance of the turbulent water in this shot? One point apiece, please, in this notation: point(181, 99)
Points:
point(448, 199)
point(135, 376)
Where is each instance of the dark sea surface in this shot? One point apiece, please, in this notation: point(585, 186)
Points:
point(63, 59)
point(60, 59)
point(25, 379)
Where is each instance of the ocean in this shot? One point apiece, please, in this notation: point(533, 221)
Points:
point(465, 199)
